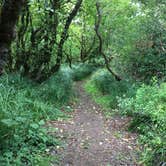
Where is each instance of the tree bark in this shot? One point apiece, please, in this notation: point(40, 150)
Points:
point(64, 36)
point(8, 19)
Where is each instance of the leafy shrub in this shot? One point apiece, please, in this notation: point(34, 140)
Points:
point(23, 137)
point(148, 109)
point(82, 71)
point(105, 83)
point(147, 59)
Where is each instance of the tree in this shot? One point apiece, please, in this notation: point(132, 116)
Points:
point(37, 51)
point(64, 35)
point(8, 17)
point(107, 61)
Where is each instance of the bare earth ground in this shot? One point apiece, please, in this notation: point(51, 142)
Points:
point(92, 140)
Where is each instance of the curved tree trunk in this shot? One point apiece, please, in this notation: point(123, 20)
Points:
point(8, 18)
point(107, 61)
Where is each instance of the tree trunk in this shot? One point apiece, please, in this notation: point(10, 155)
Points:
point(64, 36)
point(8, 18)
point(107, 61)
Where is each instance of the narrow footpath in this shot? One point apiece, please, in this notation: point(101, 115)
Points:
point(92, 140)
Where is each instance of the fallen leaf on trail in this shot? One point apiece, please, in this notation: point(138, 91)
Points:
point(57, 147)
point(130, 147)
point(47, 150)
point(124, 139)
point(101, 143)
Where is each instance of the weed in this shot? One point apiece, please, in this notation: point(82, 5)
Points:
point(148, 110)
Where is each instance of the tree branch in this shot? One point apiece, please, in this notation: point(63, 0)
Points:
point(64, 36)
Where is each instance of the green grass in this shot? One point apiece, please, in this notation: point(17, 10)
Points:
point(148, 109)
point(24, 109)
point(98, 97)
point(106, 90)
point(82, 71)
point(145, 103)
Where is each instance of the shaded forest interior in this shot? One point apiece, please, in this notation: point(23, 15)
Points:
point(114, 49)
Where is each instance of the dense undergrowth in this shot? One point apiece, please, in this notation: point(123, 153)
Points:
point(146, 104)
point(103, 83)
point(25, 107)
point(148, 109)
point(39, 37)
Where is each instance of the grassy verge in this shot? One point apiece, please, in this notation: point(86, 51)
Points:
point(24, 109)
point(98, 97)
point(106, 90)
point(146, 104)
point(82, 71)
point(148, 109)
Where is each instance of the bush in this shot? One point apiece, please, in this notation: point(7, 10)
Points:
point(106, 84)
point(148, 109)
point(58, 88)
point(24, 109)
point(82, 71)
point(147, 59)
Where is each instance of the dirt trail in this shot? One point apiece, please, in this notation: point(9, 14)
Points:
point(92, 140)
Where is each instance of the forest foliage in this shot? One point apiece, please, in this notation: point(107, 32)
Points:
point(46, 45)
